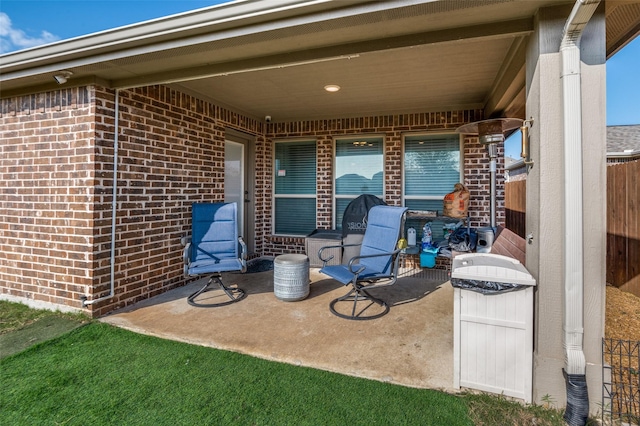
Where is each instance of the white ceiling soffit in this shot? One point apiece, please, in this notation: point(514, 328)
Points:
point(274, 56)
point(623, 23)
point(269, 30)
point(159, 34)
point(420, 78)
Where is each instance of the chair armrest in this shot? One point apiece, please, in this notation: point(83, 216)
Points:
point(393, 276)
point(353, 259)
point(186, 257)
point(243, 254)
point(324, 261)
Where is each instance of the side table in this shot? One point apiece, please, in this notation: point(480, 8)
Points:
point(291, 277)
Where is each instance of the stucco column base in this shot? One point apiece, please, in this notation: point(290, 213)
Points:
point(548, 375)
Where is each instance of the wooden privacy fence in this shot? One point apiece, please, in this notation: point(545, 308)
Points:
point(515, 203)
point(623, 226)
point(623, 222)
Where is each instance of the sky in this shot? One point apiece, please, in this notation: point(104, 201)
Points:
point(29, 23)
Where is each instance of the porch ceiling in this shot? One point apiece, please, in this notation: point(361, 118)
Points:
point(274, 57)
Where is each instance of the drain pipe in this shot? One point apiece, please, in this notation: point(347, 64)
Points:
point(577, 411)
point(114, 206)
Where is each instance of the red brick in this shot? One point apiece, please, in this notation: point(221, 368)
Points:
point(58, 164)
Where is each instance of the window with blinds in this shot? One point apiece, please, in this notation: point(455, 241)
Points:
point(295, 187)
point(359, 169)
point(432, 166)
point(431, 169)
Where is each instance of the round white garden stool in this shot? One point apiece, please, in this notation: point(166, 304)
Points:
point(291, 277)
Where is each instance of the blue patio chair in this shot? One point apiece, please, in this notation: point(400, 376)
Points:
point(376, 266)
point(214, 247)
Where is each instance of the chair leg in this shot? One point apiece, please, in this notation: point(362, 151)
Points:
point(235, 294)
point(356, 296)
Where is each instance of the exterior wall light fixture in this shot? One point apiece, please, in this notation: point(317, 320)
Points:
point(524, 131)
point(62, 77)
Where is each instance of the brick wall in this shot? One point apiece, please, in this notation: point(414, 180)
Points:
point(478, 181)
point(57, 182)
point(57, 185)
point(47, 158)
point(476, 162)
point(171, 154)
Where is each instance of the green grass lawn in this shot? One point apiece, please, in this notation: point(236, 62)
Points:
point(17, 316)
point(98, 374)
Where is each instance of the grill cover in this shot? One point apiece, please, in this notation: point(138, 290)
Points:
point(354, 220)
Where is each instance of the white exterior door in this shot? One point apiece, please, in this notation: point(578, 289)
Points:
point(234, 180)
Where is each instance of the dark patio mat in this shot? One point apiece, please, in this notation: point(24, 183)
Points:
point(259, 265)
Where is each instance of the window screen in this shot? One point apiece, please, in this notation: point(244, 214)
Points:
point(431, 165)
point(431, 169)
point(359, 170)
point(295, 187)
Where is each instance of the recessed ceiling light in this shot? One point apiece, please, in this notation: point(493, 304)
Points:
point(332, 88)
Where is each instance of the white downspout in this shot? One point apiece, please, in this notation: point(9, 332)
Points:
point(114, 205)
point(573, 241)
point(573, 321)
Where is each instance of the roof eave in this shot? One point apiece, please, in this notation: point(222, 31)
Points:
point(625, 154)
point(239, 17)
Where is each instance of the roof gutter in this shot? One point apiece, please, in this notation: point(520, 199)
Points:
point(212, 19)
point(626, 154)
point(573, 322)
point(235, 19)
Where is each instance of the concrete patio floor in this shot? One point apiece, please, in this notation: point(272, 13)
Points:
point(412, 345)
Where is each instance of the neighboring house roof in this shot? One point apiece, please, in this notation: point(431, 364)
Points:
point(623, 144)
point(623, 141)
point(515, 168)
point(510, 161)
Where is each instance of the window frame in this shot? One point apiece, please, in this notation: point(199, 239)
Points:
point(335, 196)
point(300, 196)
point(428, 135)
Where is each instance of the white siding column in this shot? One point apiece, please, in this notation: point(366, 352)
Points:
point(545, 201)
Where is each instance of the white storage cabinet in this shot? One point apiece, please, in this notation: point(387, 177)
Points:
point(493, 333)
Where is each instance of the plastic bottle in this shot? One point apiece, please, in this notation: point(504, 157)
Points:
point(411, 237)
point(426, 236)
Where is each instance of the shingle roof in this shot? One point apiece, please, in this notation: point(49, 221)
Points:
point(621, 138)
